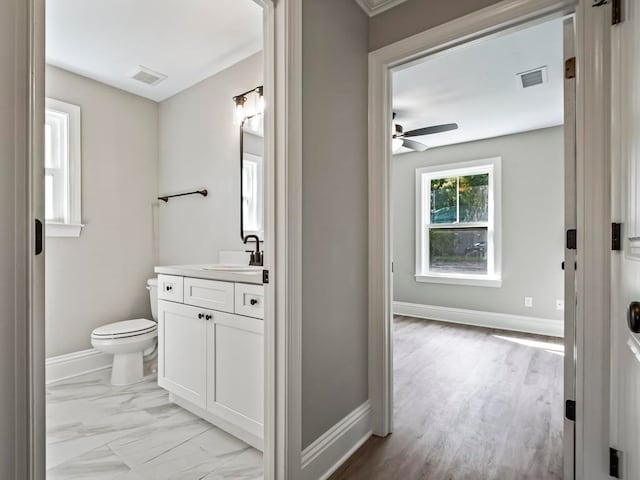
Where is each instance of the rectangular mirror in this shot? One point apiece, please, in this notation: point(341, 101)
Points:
point(252, 177)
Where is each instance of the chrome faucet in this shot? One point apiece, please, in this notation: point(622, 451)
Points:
point(256, 257)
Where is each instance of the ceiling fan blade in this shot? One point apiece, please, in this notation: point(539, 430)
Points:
point(413, 145)
point(430, 130)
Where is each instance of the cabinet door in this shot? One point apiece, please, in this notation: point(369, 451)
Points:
point(182, 351)
point(236, 370)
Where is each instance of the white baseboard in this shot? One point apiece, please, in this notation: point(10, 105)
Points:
point(76, 363)
point(334, 447)
point(502, 321)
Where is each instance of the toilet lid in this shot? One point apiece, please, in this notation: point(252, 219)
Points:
point(126, 328)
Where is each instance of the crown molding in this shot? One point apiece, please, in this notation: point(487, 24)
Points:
point(374, 7)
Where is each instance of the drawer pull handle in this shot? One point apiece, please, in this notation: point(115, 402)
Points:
point(208, 317)
point(201, 316)
point(253, 301)
point(168, 288)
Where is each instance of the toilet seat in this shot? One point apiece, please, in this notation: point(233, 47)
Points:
point(124, 329)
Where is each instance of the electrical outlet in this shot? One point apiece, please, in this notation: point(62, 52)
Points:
point(560, 305)
point(528, 302)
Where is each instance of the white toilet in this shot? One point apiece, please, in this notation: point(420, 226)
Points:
point(129, 341)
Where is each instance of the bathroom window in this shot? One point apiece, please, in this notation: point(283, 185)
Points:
point(458, 223)
point(62, 179)
point(252, 195)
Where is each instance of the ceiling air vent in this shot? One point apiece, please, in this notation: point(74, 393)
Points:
point(531, 78)
point(147, 76)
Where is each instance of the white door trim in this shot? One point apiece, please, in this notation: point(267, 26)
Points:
point(289, 238)
point(283, 143)
point(593, 227)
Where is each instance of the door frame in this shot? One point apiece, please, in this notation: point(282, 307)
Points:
point(593, 208)
point(282, 22)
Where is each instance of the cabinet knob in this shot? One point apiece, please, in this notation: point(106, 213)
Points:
point(201, 316)
point(208, 317)
point(168, 288)
point(253, 301)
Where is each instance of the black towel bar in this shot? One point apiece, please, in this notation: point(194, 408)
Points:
point(166, 198)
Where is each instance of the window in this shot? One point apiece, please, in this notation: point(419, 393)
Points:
point(458, 223)
point(252, 197)
point(62, 169)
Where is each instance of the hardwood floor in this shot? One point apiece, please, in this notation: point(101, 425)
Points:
point(470, 403)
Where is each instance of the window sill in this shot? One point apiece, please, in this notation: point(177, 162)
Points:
point(469, 280)
point(63, 229)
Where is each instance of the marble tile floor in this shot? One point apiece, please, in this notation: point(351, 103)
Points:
point(96, 431)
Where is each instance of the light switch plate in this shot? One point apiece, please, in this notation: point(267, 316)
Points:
point(528, 302)
point(560, 305)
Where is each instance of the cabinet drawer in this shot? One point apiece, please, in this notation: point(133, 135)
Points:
point(209, 294)
point(250, 300)
point(170, 288)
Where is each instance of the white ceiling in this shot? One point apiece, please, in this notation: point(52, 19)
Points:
point(475, 86)
point(187, 40)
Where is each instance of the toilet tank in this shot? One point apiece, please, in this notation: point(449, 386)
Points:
point(152, 286)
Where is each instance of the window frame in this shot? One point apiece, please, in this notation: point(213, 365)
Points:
point(256, 209)
point(424, 175)
point(71, 225)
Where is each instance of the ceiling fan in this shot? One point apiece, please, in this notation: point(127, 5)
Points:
point(400, 138)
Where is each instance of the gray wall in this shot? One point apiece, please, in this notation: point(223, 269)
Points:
point(100, 277)
point(532, 225)
point(334, 207)
point(415, 16)
point(200, 147)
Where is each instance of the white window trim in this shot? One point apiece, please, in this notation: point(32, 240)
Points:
point(494, 235)
point(72, 225)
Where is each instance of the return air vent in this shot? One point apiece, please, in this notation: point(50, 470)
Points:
point(147, 76)
point(531, 78)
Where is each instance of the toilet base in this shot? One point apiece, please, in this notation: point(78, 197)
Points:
point(127, 368)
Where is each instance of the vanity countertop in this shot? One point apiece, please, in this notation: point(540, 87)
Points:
point(222, 272)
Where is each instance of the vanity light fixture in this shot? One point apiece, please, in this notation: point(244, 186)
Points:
point(242, 112)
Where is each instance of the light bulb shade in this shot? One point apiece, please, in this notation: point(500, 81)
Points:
point(396, 144)
point(260, 105)
point(240, 111)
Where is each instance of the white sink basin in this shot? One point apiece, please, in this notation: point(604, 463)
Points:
point(229, 267)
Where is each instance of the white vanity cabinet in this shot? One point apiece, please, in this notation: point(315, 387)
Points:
point(211, 353)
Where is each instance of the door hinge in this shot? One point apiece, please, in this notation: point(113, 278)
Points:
point(616, 238)
point(570, 68)
point(572, 239)
point(616, 9)
point(570, 410)
point(614, 463)
point(265, 276)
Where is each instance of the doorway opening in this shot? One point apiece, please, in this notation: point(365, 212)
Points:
point(478, 244)
point(458, 247)
point(148, 109)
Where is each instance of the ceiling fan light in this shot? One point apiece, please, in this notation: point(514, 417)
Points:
point(396, 144)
